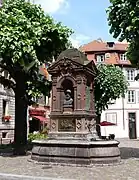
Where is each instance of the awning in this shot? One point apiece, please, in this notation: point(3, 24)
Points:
point(36, 112)
point(106, 123)
point(40, 118)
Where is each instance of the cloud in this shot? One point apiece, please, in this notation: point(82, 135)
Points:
point(53, 6)
point(79, 39)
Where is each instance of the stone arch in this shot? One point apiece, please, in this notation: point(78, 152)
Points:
point(70, 78)
point(62, 85)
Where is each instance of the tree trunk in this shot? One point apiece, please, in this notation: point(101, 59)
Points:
point(20, 134)
point(98, 126)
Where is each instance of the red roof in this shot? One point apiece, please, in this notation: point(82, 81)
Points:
point(98, 46)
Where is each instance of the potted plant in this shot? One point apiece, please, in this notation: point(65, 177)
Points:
point(6, 118)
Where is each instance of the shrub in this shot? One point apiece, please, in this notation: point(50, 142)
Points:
point(33, 136)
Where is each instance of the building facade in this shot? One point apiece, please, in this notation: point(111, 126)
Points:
point(39, 113)
point(38, 116)
point(124, 112)
point(7, 113)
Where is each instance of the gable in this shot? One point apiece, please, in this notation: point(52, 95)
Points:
point(64, 63)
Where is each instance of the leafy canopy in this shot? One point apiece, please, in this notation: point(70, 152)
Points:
point(123, 18)
point(28, 38)
point(110, 84)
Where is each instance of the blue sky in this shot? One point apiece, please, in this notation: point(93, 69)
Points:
point(87, 18)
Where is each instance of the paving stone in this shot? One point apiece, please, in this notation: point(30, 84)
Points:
point(127, 170)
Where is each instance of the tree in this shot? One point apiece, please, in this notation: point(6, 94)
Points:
point(110, 84)
point(28, 38)
point(123, 18)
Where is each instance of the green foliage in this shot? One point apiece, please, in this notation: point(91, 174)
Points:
point(29, 38)
point(123, 17)
point(36, 136)
point(28, 35)
point(110, 84)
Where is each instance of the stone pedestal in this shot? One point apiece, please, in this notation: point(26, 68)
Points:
point(67, 110)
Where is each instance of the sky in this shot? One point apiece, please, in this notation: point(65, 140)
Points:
point(87, 18)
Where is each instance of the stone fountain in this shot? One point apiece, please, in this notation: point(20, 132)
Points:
point(72, 139)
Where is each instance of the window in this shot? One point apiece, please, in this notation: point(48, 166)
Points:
point(4, 134)
point(123, 57)
point(107, 55)
point(100, 58)
point(131, 96)
point(138, 96)
point(4, 107)
point(130, 74)
point(111, 117)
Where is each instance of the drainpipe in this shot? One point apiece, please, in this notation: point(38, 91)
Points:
point(123, 109)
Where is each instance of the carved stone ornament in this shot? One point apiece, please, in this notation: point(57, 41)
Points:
point(84, 80)
point(65, 67)
point(53, 125)
point(54, 81)
point(85, 97)
point(79, 124)
point(66, 125)
point(79, 96)
point(54, 98)
point(78, 79)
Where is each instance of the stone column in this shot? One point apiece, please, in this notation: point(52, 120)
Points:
point(75, 98)
point(58, 100)
point(83, 94)
point(92, 103)
point(54, 93)
point(61, 99)
point(79, 87)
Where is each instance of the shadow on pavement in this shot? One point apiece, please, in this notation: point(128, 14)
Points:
point(128, 152)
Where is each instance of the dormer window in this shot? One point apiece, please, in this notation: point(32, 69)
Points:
point(110, 44)
point(100, 58)
point(123, 57)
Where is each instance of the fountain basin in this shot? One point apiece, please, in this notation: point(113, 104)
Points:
point(76, 152)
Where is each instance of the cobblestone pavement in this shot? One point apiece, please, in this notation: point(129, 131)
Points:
point(127, 170)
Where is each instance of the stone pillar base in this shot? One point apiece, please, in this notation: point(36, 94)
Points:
point(68, 110)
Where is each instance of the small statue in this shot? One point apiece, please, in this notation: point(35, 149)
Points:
point(92, 132)
point(68, 101)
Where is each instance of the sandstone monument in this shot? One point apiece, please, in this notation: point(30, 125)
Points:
point(72, 138)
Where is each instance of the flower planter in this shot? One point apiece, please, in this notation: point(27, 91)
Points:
point(6, 118)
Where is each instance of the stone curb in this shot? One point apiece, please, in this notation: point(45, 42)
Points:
point(75, 165)
point(4, 176)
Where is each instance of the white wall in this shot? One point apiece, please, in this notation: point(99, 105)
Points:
point(121, 108)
